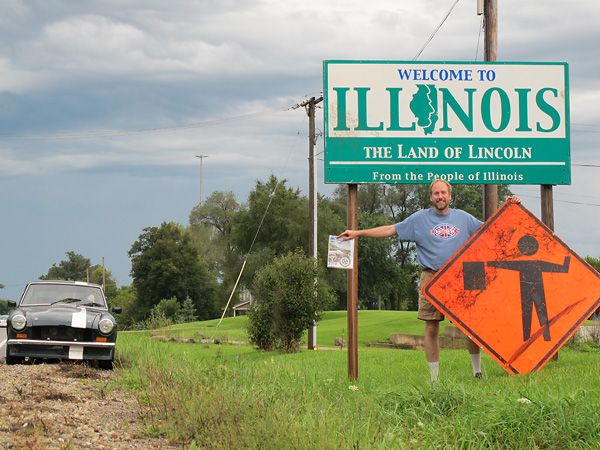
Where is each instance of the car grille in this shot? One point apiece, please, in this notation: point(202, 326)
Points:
point(57, 333)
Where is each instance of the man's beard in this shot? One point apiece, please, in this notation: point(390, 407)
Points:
point(441, 205)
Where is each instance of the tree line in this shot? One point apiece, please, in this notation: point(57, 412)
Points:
point(188, 272)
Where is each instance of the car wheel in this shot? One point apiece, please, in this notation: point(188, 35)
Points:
point(345, 261)
point(105, 365)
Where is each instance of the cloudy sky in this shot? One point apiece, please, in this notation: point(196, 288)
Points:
point(105, 104)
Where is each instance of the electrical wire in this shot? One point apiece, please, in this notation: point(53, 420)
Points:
point(262, 220)
point(561, 201)
point(479, 34)
point(70, 135)
point(435, 31)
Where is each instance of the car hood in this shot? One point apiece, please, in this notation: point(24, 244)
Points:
point(70, 316)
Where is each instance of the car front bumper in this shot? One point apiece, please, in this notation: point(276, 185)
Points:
point(47, 349)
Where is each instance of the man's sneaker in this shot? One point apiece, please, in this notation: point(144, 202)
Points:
point(478, 375)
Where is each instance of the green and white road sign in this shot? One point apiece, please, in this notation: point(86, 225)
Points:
point(411, 122)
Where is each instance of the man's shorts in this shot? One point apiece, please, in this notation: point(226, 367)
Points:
point(426, 310)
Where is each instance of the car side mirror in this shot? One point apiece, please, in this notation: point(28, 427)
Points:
point(117, 309)
point(12, 304)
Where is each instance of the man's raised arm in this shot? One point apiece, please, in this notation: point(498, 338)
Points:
point(377, 232)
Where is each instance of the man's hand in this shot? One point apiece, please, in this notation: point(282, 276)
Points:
point(514, 199)
point(377, 232)
point(349, 234)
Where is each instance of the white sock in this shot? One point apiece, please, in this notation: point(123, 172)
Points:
point(476, 362)
point(434, 370)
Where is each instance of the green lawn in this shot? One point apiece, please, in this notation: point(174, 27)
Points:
point(373, 326)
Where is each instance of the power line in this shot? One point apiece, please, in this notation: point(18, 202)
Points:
point(519, 188)
point(271, 196)
point(562, 201)
point(435, 31)
point(68, 135)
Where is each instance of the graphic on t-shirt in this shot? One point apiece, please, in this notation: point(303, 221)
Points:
point(445, 231)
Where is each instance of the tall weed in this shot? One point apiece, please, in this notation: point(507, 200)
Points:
point(232, 396)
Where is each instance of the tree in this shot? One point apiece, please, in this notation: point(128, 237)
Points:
point(79, 268)
point(75, 268)
point(224, 230)
point(187, 312)
point(216, 214)
point(126, 299)
point(165, 264)
point(274, 222)
point(4, 308)
point(594, 262)
point(169, 308)
point(377, 269)
point(211, 225)
point(110, 285)
point(395, 279)
point(288, 301)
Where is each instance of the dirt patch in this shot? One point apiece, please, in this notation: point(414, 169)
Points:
point(70, 406)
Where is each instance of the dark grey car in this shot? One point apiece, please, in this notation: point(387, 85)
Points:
point(61, 320)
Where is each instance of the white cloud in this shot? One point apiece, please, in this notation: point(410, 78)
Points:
point(142, 64)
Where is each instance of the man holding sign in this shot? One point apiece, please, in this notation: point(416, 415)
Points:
point(439, 232)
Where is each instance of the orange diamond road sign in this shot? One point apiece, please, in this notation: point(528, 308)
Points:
point(516, 289)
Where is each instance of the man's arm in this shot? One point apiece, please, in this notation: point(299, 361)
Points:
point(377, 232)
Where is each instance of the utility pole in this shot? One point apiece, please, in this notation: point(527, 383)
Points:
point(312, 198)
point(201, 158)
point(490, 192)
point(490, 20)
point(352, 298)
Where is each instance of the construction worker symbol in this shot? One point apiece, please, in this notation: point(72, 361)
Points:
point(516, 290)
point(530, 278)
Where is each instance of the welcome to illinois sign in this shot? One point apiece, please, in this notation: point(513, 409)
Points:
point(516, 289)
point(412, 122)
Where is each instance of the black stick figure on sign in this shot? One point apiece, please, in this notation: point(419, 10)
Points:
point(532, 283)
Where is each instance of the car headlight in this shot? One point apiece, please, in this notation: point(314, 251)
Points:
point(18, 322)
point(106, 326)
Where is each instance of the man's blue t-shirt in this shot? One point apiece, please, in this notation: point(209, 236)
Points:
point(437, 236)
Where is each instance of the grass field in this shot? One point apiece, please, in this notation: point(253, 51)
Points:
point(232, 396)
point(373, 326)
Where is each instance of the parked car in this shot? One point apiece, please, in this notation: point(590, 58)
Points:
point(3, 318)
point(61, 320)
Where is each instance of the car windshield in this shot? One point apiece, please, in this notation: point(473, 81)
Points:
point(58, 294)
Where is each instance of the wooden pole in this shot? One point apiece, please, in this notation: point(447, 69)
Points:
point(490, 19)
point(547, 199)
point(352, 302)
point(312, 204)
point(312, 199)
point(547, 206)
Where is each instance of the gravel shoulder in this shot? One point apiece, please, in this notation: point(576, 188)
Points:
point(70, 406)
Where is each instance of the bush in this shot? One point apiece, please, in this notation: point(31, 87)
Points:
point(156, 321)
point(288, 301)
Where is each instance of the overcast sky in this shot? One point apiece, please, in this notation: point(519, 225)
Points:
point(105, 104)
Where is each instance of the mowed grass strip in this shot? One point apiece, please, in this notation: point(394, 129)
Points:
point(373, 326)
